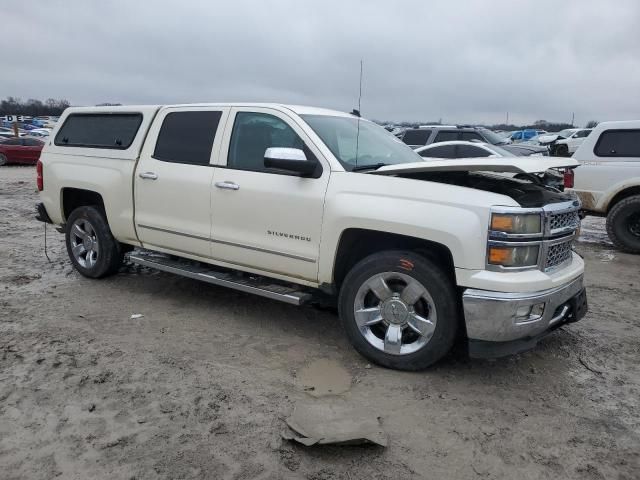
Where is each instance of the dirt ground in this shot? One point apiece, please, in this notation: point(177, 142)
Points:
point(200, 385)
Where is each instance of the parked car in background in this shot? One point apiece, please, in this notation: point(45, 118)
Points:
point(458, 149)
point(461, 149)
point(568, 146)
point(565, 142)
point(608, 180)
point(20, 150)
point(426, 135)
point(553, 136)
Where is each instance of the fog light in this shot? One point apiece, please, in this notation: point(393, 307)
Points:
point(523, 312)
point(529, 313)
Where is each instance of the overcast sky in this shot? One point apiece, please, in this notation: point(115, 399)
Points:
point(455, 60)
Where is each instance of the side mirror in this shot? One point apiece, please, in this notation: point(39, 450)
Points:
point(291, 160)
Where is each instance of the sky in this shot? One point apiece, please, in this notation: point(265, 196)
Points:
point(462, 61)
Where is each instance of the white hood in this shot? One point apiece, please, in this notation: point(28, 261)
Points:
point(549, 138)
point(498, 164)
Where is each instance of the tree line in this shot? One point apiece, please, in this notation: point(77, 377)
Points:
point(537, 125)
point(33, 107)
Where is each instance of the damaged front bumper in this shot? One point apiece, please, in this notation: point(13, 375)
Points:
point(501, 323)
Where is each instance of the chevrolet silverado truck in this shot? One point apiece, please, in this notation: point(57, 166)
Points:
point(608, 180)
point(299, 203)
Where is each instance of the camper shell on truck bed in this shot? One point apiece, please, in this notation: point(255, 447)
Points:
point(305, 204)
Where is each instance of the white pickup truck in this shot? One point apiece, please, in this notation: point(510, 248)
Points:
point(297, 203)
point(608, 180)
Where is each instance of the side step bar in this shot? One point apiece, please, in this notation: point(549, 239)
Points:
point(207, 273)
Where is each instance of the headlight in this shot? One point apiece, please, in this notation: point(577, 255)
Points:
point(518, 256)
point(520, 223)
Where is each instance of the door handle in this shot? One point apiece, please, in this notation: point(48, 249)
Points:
point(148, 176)
point(228, 185)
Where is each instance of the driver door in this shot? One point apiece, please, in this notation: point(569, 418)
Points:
point(261, 219)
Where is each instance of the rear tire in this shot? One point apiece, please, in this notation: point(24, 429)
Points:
point(623, 224)
point(3, 159)
point(90, 244)
point(399, 310)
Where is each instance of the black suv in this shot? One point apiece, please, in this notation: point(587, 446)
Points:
point(419, 137)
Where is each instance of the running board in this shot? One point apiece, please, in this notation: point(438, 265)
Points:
point(207, 273)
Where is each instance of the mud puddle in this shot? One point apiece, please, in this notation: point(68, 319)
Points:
point(324, 377)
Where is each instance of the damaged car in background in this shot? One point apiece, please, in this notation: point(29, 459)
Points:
point(565, 142)
point(460, 149)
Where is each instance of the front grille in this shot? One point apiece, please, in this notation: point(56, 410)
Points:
point(558, 254)
point(567, 220)
point(561, 222)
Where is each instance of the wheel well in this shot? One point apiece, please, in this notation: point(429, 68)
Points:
point(356, 244)
point(73, 198)
point(628, 192)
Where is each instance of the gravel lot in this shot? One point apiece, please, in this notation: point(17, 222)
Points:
point(199, 386)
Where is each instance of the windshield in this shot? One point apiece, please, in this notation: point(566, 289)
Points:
point(493, 138)
point(374, 145)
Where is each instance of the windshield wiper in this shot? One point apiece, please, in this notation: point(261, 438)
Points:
point(373, 166)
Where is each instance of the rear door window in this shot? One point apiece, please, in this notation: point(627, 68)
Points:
point(187, 137)
point(468, 136)
point(99, 130)
point(618, 143)
point(442, 151)
point(446, 136)
point(469, 151)
point(416, 137)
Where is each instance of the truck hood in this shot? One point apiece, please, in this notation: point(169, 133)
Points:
point(498, 164)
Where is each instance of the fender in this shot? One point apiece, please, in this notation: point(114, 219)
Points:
point(604, 201)
point(456, 217)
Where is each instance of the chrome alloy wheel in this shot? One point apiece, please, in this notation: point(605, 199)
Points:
point(395, 313)
point(84, 243)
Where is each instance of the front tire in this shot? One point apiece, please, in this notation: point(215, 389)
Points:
point(399, 310)
point(90, 244)
point(623, 224)
point(3, 159)
point(562, 151)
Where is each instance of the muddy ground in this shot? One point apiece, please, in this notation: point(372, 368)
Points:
point(199, 386)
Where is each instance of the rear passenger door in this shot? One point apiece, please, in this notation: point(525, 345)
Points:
point(173, 180)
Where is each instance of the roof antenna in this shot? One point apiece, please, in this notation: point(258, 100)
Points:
point(357, 114)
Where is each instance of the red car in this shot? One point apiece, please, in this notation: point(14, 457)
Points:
point(20, 150)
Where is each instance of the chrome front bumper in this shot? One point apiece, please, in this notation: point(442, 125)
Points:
point(506, 317)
